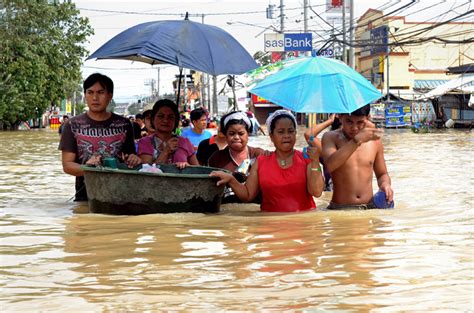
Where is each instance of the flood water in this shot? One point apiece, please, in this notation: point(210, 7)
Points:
point(417, 257)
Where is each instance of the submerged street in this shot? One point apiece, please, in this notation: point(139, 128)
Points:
point(56, 256)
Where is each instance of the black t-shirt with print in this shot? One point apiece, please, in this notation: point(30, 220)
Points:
point(85, 137)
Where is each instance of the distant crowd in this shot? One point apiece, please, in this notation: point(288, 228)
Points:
point(283, 180)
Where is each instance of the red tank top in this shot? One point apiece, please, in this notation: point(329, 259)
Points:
point(284, 190)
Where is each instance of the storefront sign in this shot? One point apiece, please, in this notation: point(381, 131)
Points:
point(259, 100)
point(288, 42)
point(398, 115)
point(379, 40)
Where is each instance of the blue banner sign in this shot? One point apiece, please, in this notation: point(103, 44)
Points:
point(398, 115)
point(299, 42)
point(379, 40)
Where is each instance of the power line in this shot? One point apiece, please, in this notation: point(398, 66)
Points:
point(179, 14)
point(410, 40)
point(126, 68)
point(423, 30)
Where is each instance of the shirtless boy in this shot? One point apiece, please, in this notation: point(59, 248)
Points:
point(352, 154)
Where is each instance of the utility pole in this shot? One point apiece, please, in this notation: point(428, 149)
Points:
point(208, 93)
point(282, 25)
point(333, 45)
point(305, 28)
point(351, 34)
point(73, 109)
point(388, 74)
point(232, 77)
point(344, 31)
point(305, 23)
point(387, 50)
point(282, 17)
point(214, 94)
point(206, 86)
point(158, 84)
point(185, 90)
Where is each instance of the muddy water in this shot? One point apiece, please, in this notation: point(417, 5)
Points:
point(418, 257)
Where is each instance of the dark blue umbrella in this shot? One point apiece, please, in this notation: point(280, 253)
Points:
point(183, 43)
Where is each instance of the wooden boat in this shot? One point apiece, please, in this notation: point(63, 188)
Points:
point(125, 191)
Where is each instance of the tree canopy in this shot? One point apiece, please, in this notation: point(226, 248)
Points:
point(41, 51)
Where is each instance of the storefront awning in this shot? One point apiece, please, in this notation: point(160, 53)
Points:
point(428, 83)
point(456, 83)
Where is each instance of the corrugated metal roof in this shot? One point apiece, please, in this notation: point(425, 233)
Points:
point(466, 68)
point(428, 83)
point(460, 82)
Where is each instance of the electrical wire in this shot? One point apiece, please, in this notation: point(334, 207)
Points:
point(179, 14)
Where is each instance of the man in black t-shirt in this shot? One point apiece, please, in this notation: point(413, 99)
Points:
point(91, 136)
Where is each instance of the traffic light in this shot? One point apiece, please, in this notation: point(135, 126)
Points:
point(270, 11)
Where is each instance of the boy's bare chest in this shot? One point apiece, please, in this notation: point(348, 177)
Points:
point(363, 156)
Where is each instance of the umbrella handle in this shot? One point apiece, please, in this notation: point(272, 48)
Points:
point(305, 149)
point(179, 86)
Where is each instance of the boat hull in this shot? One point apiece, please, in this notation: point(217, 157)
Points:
point(129, 192)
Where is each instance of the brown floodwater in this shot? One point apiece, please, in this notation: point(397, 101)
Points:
point(417, 257)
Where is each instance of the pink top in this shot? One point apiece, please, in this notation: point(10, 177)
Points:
point(148, 145)
point(284, 189)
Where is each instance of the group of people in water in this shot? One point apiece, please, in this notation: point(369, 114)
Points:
point(282, 180)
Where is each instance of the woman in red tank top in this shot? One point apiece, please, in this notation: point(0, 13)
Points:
point(286, 179)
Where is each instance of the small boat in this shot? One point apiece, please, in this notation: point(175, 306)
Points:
point(125, 191)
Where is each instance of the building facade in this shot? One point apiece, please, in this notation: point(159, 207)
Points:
point(409, 56)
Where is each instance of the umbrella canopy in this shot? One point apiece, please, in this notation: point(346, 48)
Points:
point(316, 85)
point(184, 43)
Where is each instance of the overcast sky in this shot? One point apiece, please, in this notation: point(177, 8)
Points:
point(110, 17)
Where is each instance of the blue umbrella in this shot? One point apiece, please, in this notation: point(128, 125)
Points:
point(317, 85)
point(184, 43)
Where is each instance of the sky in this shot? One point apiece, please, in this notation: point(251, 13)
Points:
point(245, 20)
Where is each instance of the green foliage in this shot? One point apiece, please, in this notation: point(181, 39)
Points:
point(41, 51)
point(422, 127)
point(80, 108)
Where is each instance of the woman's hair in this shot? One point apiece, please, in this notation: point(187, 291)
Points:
point(234, 118)
point(146, 113)
point(165, 103)
point(277, 115)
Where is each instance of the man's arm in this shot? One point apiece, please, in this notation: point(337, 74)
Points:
point(317, 128)
point(334, 158)
point(314, 177)
point(246, 191)
point(68, 148)
point(380, 169)
point(70, 166)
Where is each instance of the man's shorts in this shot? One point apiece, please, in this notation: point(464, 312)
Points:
point(378, 202)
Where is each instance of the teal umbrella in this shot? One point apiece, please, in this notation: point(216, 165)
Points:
point(314, 85)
